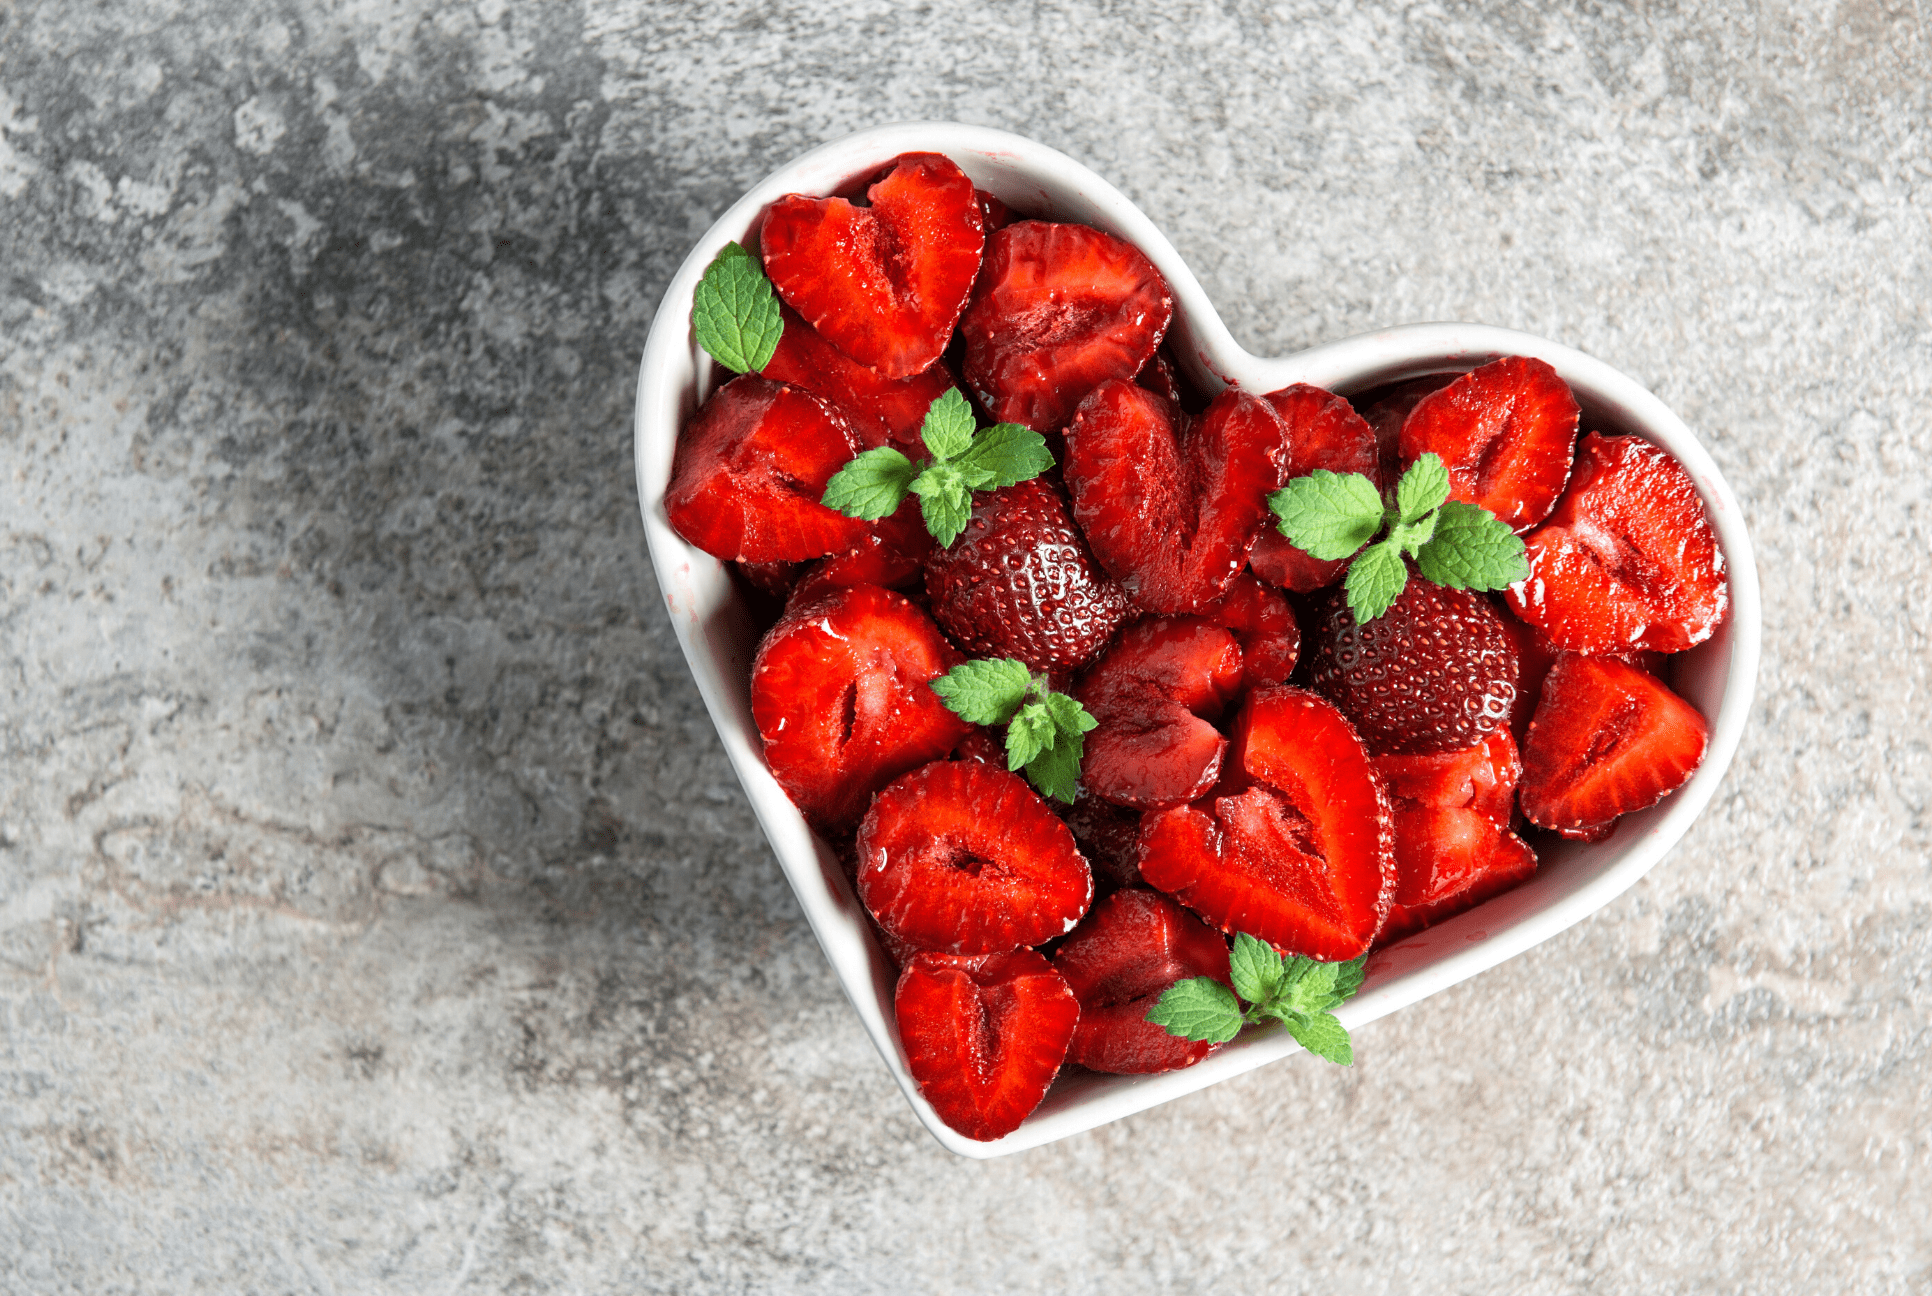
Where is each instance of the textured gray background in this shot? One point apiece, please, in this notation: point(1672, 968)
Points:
point(378, 912)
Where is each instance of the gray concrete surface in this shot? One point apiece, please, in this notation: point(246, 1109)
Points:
point(377, 911)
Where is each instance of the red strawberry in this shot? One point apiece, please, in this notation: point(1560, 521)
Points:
point(1170, 504)
point(1153, 694)
point(984, 1035)
point(892, 554)
point(1509, 862)
point(1118, 963)
point(1436, 672)
point(840, 691)
point(1264, 623)
point(1058, 310)
point(1628, 560)
point(885, 284)
point(966, 858)
point(1018, 582)
point(1607, 739)
point(1303, 856)
point(1324, 431)
point(1481, 778)
point(993, 214)
point(1504, 431)
point(1109, 837)
point(750, 469)
point(1534, 657)
point(884, 411)
point(1386, 409)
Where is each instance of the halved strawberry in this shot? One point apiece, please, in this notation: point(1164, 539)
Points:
point(1303, 856)
point(1109, 837)
point(1607, 739)
point(884, 284)
point(1153, 695)
point(1504, 431)
point(841, 693)
point(1058, 310)
point(993, 214)
point(1264, 623)
point(884, 411)
point(1171, 505)
point(966, 858)
point(749, 471)
point(1386, 409)
point(1628, 560)
point(984, 1035)
point(1019, 582)
point(891, 554)
point(1487, 875)
point(1118, 962)
point(1481, 778)
point(1325, 432)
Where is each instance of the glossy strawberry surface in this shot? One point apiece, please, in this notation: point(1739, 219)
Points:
point(1154, 693)
point(1504, 432)
point(1118, 963)
point(1266, 627)
point(883, 411)
point(1324, 432)
point(1607, 739)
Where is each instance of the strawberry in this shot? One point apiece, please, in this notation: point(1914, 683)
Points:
point(1504, 431)
point(840, 691)
point(1469, 879)
point(1607, 738)
point(1436, 672)
point(886, 283)
point(1386, 409)
point(1298, 849)
point(1628, 560)
point(966, 858)
point(993, 214)
point(1118, 962)
point(1481, 778)
point(1019, 582)
point(883, 411)
point(984, 1035)
point(892, 553)
point(750, 468)
point(1264, 623)
point(1058, 310)
point(1324, 431)
point(1170, 504)
point(1153, 694)
point(1109, 836)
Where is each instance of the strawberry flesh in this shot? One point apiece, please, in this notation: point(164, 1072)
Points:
point(984, 1035)
point(1118, 963)
point(891, 554)
point(1607, 739)
point(1325, 432)
point(885, 283)
point(1504, 431)
point(1264, 623)
point(1153, 695)
point(1109, 836)
point(883, 411)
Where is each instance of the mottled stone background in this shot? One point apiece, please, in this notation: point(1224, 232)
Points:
point(377, 910)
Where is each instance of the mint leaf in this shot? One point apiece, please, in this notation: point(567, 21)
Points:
point(871, 486)
point(1199, 1008)
point(1472, 549)
point(734, 312)
point(1056, 771)
point(1348, 979)
point(1069, 717)
point(1321, 1034)
point(1309, 990)
point(1423, 488)
point(945, 501)
point(1030, 732)
point(1409, 537)
point(948, 429)
point(984, 692)
point(1009, 454)
point(1330, 515)
point(1256, 968)
point(1374, 580)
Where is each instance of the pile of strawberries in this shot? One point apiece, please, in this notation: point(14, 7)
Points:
point(1260, 761)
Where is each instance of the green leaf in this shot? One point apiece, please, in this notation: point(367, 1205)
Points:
point(1374, 579)
point(1069, 717)
point(1056, 771)
point(1257, 968)
point(734, 312)
point(1330, 515)
point(948, 429)
point(1472, 549)
point(945, 501)
point(1009, 454)
point(1409, 537)
point(1423, 488)
point(1321, 1035)
point(1312, 989)
point(1199, 1008)
point(1348, 978)
point(984, 692)
point(871, 486)
point(1031, 731)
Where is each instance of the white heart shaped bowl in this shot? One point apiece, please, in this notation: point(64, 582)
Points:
point(719, 637)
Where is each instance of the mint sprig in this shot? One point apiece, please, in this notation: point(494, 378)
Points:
point(734, 312)
point(1297, 992)
point(1045, 731)
point(874, 483)
point(1334, 515)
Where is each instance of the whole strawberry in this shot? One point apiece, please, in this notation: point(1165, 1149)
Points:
point(1436, 672)
point(1019, 582)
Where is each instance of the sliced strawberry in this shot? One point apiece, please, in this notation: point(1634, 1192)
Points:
point(1386, 409)
point(749, 471)
point(1628, 560)
point(1118, 963)
point(886, 283)
point(1109, 836)
point(1058, 310)
point(1482, 876)
point(1534, 657)
point(984, 746)
point(840, 691)
point(1436, 672)
point(1607, 739)
point(984, 1035)
point(1153, 695)
point(1170, 504)
point(891, 554)
point(966, 858)
point(1019, 582)
point(993, 214)
point(1482, 778)
point(1504, 431)
point(1325, 432)
point(884, 411)
point(776, 580)
point(1264, 623)
point(1303, 856)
